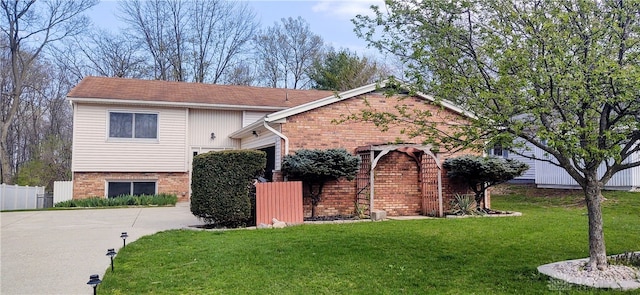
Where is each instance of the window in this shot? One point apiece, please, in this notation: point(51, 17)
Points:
point(136, 188)
point(498, 151)
point(133, 125)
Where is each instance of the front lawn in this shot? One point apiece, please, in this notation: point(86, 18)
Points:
point(435, 256)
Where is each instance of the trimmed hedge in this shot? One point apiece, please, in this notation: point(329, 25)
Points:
point(221, 183)
point(143, 200)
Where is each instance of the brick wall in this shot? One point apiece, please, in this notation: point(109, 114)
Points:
point(338, 198)
point(315, 129)
point(92, 184)
point(398, 189)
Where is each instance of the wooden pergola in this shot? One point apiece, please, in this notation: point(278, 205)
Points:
point(428, 163)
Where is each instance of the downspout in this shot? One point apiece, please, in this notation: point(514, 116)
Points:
point(286, 139)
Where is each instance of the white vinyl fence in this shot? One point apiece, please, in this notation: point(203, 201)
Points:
point(62, 191)
point(15, 197)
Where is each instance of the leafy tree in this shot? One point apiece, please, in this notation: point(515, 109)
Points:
point(561, 75)
point(50, 161)
point(317, 167)
point(343, 70)
point(480, 173)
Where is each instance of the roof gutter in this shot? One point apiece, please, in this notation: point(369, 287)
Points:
point(276, 132)
point(198, 105)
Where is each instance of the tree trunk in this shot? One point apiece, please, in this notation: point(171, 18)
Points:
point(597, 250)
point(314, 204)
point(5, 176)
point(314, 196)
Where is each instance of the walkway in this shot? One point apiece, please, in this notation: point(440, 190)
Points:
point(54, 252)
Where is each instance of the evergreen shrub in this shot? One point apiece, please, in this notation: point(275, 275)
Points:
point(221, 183)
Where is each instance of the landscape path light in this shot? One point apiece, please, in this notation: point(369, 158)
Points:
point(94, 281)
point(111, 252)
point(124, 237)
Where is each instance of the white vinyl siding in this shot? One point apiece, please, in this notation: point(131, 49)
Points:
point(528, 175)
point(552, 176)
point(219, 122)
point(133, 125)
point(265, 139)
point(635, 172)
point(94, 151)
point(249, 117)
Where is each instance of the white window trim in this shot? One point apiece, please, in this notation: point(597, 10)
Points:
point(133, 139)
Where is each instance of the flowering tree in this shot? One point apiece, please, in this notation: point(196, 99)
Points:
point(562, 75)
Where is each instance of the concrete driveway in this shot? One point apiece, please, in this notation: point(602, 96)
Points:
point(55, 252)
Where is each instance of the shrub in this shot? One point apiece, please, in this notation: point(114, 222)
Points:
point(627, 258)
point(221, 184)
point(480, 173)
point(129, 200)
point(463, 205)
point(316, 167)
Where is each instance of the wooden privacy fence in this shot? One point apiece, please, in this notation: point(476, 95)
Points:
point(280, 200)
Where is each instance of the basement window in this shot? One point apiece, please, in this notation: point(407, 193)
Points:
point(125, 188)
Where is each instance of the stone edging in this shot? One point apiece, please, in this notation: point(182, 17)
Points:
point(485, 215)
point(610, 283)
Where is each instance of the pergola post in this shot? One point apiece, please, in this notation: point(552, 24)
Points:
point(440, 206)
point(371, 180)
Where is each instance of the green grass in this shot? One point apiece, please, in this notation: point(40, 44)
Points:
point(436, 256)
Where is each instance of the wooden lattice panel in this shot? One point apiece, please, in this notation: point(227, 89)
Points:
point(429, 178)
point(363, 182)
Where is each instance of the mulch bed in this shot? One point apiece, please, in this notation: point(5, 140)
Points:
point(331, 218)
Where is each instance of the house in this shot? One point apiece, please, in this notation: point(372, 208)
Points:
point(528, 176)
point(547, 175)
point(551, 176)
point(139, 136)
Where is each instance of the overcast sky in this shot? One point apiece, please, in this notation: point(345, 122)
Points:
point(330, 19)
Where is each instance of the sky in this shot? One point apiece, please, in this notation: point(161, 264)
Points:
point(330, 19)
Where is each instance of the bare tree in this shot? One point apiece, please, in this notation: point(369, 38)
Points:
point(150, 24)
point(241, 74)
point(190, 39)
point(30, 28)
point(286, 50)
point(271, 66)
point(114, 55)
point(221, 32)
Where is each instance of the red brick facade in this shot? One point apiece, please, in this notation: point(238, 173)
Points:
point(398, 183)
point(92, 184)
point(397, 189)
